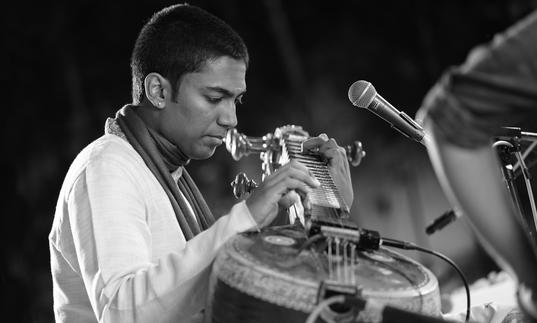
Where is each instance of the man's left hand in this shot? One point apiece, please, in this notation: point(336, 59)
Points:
point(338, 164)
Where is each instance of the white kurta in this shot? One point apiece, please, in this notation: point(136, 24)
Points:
point(117, 251)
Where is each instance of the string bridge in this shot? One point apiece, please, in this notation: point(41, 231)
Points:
point(361, 238)
point(345, 231)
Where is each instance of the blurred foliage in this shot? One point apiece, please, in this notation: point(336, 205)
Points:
point(67, 65)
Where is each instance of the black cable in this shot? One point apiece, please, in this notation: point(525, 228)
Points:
point(411, 246)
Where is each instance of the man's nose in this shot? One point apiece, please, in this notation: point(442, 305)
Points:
point(228, 116)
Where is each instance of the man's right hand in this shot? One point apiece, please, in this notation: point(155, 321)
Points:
point(280, 189)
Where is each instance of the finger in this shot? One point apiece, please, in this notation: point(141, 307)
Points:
point(314, 142)
point(305, 176)
point(283, 188)
point(289, 199)
point(279, 174)
point(329, 144)
point(294, 170)
point(277, 186)
point(290, 183)
point(306, 202)
point(331, 152)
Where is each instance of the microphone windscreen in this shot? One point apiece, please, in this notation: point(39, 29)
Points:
point(362, 93)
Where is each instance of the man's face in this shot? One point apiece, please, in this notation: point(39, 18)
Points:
point(205, 107)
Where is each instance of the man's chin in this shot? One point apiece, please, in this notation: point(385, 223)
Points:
point(204, 154)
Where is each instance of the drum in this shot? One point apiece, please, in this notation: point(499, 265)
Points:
point(265, 277)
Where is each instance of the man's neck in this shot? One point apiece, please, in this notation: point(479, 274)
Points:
point(147, 112)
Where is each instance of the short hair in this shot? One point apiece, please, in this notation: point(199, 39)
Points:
point(179, 39)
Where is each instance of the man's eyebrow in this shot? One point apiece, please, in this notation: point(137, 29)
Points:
point(224, 91)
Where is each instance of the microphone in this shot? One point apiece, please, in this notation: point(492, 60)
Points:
point(363, 95)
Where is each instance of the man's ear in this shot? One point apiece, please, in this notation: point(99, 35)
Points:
point(157, 89)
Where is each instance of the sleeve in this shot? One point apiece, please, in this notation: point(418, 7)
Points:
point(113, 243)
point(496, 87)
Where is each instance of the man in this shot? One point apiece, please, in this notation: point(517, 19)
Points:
point(132, 238)
point(497, 86)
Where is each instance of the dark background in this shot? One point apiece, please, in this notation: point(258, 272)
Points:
point(66, 67)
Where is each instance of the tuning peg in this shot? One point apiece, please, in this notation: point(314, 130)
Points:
point(242, 185)
point(355, 153)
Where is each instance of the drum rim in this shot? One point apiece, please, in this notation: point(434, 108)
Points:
point(234, 269)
